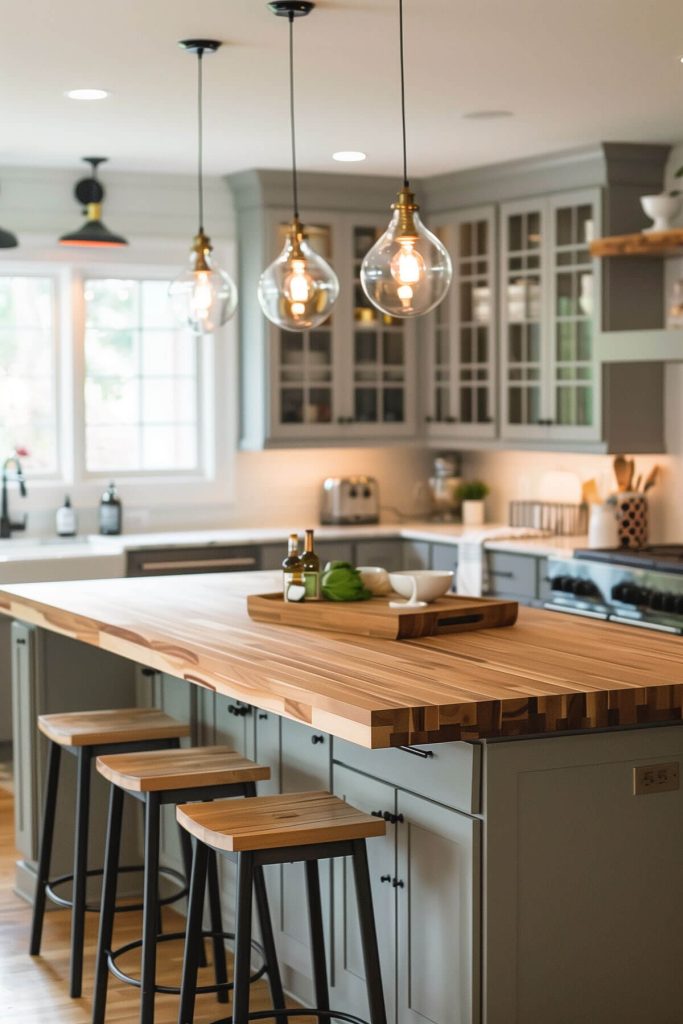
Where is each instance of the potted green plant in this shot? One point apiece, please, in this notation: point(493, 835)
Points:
point(472, 494)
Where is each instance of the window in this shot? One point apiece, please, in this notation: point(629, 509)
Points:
point(28, 385)
point(142, 380)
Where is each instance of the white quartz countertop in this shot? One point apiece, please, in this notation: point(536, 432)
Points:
point(94, 546)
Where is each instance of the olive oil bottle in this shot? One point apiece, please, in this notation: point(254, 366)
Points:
point(311, 568)
point(293, 586)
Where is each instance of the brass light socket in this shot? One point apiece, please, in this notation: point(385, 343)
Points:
point(202, 248)
point(93, 211)
point(407, 208)
point(296, 236)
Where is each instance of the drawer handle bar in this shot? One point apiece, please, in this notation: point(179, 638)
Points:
point(417, 752)
point(385, 878)
point(398, 884)
point(239, 711)
point(200, 563)
point(502, 573)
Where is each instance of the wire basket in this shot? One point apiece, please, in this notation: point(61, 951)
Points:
point(562, 520)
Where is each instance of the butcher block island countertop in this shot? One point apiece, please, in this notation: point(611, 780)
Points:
point(549, 673)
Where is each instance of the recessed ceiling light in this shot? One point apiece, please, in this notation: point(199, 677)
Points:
point(87, 94)
point(487, 115)
point(348, 156)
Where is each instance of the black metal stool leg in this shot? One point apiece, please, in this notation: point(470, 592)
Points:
point(47, 833)
point(242, 969)
point(193, 934)
point(219, 959)
point(268, 941)
point(315, 919)
point(368, 934)
point(151, 908)
point(80, 868)
point(108, 906)
point(186, 853)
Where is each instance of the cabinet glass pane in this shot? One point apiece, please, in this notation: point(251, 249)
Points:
point(393, 405)
point(292, 405)
point(365, 405)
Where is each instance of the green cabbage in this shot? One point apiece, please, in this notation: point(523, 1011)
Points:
point(341, 582)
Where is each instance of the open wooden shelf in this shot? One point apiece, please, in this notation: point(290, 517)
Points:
point(642, 243)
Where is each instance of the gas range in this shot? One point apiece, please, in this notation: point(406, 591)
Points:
point(637, 588)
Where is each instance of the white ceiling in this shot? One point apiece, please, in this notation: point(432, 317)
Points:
point(573, 71)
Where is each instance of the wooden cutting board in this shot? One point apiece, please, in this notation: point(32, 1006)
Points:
point(374, 617)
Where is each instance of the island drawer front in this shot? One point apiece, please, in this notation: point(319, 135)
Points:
point(180, 561)
point(449, 773)
point(512, 575)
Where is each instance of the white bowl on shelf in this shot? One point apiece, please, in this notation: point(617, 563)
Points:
point(661, 209)
point(419, 586)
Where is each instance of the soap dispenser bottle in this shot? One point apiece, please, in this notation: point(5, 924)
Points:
point(66, 519)
point(111, 512)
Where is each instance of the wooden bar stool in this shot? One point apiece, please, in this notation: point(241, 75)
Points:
point(281, 829)
point(157, 778)
point(86, 735)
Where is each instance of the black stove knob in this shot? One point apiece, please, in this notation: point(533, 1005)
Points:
point(557, 582)
point(585, 588)
point(629, 593)
point(679, 604)
point(669, 603)
point(620, 590)
point(657, 601)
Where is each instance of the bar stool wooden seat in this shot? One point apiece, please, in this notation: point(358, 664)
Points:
point(157, 778)
point(85, 735)
point(281, 829)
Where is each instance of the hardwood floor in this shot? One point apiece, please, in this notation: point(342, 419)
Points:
point(34, 990)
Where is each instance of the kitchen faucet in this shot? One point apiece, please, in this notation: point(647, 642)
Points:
point(6, 524)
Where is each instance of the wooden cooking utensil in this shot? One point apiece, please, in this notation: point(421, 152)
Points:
point(631, 473)
point(589, 492)
point(651, 479)
point(622, 472)
point(638, 483)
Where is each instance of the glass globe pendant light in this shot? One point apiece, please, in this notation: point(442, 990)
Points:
point(204, 297)
point(408, 270)
point(297, 291)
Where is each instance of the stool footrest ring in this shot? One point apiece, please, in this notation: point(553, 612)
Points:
point(338, 1015)
point(174, 990)
point(94, 908)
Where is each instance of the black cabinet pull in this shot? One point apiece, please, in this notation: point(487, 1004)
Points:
point(317, 739)
point(20, 640)
point(149, 672)
point(398, 884)
point(385, 878)
point(238, 710)
point(417, 752)
point(392, 819)
point(377, 814)
point(262, 715)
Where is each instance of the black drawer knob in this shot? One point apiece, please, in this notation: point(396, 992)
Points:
point(317, 739)
point(239, 710)
point(385, 878)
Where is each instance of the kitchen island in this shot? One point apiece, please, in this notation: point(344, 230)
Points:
point(525, 875)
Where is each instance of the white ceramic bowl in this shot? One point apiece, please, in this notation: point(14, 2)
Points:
point(429, 583)
point(661, 209)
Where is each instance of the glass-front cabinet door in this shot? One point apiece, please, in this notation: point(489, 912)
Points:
point(574, 291)
point(462, 398)
point(523, 283)
point(303, 363)
point(382, 387)
point(548, 299)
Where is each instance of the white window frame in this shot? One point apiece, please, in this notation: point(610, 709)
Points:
point(213, 482)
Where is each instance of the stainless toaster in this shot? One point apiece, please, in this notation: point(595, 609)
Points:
point(349, 500)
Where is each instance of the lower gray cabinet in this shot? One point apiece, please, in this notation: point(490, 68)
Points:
point(387, 553)
point(415, 554)
point(438, 914)
point(348, 972)
point(445, 558)
point(425, 884)
point(512, 575)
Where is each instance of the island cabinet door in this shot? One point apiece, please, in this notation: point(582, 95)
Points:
point(349, 975)
point(304, 764)
point(437, 913)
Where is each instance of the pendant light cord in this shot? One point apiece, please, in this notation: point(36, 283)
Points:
point(200, 140)
point(295, 183)
point(406, 183)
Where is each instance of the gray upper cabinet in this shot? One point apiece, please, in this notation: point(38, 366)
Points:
point(352, 380)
